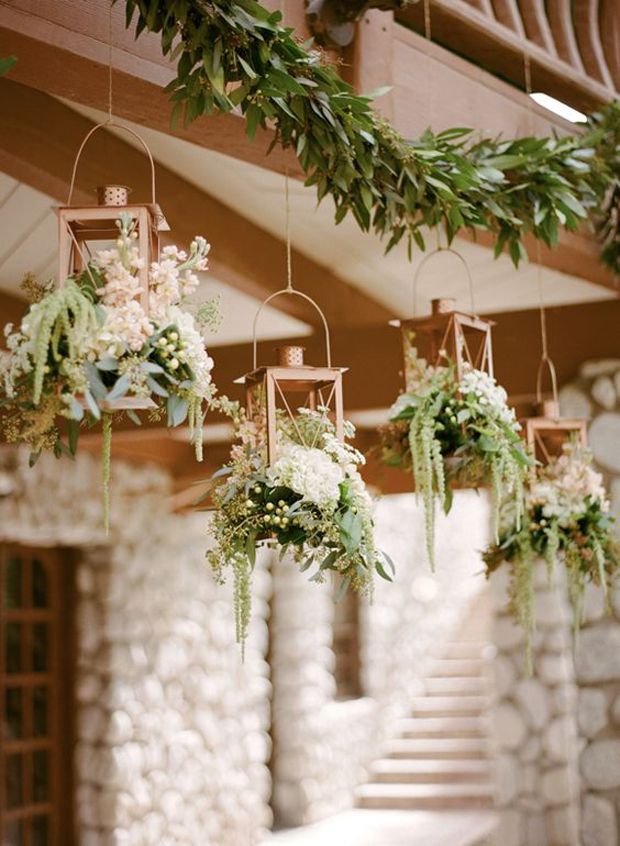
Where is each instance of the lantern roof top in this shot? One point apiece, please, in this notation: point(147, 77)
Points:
point(301, 373)
point(431, 322)
point(103, 213)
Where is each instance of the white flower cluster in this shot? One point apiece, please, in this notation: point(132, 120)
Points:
point(488, 394)
point(310, 472)
point(17, 361)
point(127, 326)
point(566, 487)
point(194, 353)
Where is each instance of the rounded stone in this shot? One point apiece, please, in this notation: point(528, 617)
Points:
point(592, 711)
point(553, 668)
point(604, 392)
point(534, 702)
point(604, 437)
point(594, 605)
point(598, 825)
point(505, 674)
point(598, 654)
point(599, 367)
point(506, 779)
point(557, 786)
point(509, 726)
point(574, 403)
point(560, 739)
point(600, 764)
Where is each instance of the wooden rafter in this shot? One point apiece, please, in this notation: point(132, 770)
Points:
point(38, 141)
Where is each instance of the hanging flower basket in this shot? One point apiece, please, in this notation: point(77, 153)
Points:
point(293, 480)
point(567, 520)
point(88, 350)
point(453, 432)
point(113, 335)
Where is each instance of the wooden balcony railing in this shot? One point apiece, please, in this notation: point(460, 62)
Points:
point(573, 45)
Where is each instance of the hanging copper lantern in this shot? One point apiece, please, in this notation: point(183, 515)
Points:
point(448, 335)
point(81, 226)
point(292, 384)
point(547, 432)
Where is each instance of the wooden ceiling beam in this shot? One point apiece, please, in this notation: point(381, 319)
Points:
point(63, 50)
point(38, 142)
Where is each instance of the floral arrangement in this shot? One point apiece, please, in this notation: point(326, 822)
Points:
point(87, 348)
point(311, 501)
point(450, 432)
point(567, 518)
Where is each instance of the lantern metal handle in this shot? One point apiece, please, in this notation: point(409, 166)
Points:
point(328, 353)
point(111, 122)
point(545, 360)
point(431, 255)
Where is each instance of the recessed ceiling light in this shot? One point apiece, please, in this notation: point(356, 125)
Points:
point(558, 107)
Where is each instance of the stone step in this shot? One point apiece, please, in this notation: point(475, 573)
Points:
point(438, 748)
point(446, 706)
point(456, 686)
point(362, 827)
point(430, 771)
point(441, 727)
point(442, 667)
point(459, 649)
point(424, 797)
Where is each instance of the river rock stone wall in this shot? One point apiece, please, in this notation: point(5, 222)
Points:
point(595, 394)
point(172, 728)
point(534, 720)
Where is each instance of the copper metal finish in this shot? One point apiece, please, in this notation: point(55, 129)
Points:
point(290, 355)
point(112, 195)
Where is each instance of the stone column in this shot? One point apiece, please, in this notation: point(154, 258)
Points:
point(533, 720)
point(598, 675)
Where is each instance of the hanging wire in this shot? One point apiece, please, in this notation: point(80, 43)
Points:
point(289, 287)
point(289, 266)
point(110, 62)
point(545, 359)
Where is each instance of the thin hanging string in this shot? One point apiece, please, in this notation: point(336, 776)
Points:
point(545, 359)
point(289, 265)
point(110, 62)
point(541, 305)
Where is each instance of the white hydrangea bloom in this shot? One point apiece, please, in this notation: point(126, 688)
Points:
point(310, 472)
point(488, 393)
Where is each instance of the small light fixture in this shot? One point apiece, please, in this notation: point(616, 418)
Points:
point(558, 107)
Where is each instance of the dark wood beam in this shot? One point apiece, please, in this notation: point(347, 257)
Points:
point(39, 138)
point(63, 50)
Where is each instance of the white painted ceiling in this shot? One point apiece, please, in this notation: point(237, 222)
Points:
point(28, 245)
point(259, 195)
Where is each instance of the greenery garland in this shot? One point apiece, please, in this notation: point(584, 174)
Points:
point(237, 55)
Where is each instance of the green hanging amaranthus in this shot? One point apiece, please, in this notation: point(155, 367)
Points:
point(449, 432)
point(567, 521)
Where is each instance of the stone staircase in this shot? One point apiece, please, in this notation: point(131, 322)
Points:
point(439, 757)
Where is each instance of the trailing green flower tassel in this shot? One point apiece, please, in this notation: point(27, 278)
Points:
point(106, 466)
